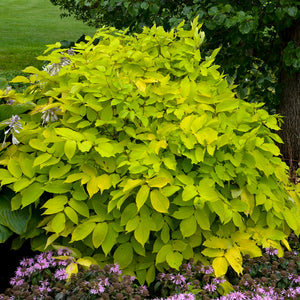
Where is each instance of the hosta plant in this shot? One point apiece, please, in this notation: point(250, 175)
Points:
point(10, 112)
point(139, 153)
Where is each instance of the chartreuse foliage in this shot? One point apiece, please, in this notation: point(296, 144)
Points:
point(152, 160)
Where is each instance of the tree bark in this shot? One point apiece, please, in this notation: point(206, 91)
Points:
point(289, 106)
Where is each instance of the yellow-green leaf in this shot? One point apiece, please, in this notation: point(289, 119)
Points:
point(72, 268)
point(150, 275)
point(249, 200)
point(174, 259)
point(41, 159)
point(123, 255)
point(131, 184)
point(158, 181)
point(14, 168)
point(218, 243)
point(210, 252)
point(99, 234)
point(142, 232)
point(71, 214)
point(220, 266)
point(31, 193)
point(58, 223)
point(104, 182)
point(142, 196)
point(188, 226)
point(159, 201)
point(234, 258)
point(92, 186)
point(69, 134)
point(20, 79)
point(202, 217)
point(70, 148)
point(82, 231)
point(21, 184)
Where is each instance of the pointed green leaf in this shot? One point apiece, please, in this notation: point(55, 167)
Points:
point(202, 217)
point(159, 201)
point(99, 234)
point(71, 214)
point(104, 182)
point(82, 231)
point(31, 193)
point(69, 134)
point(41, 159)
point(123, 255)
point(58, 171)
point(188, 226)
point(110, 240)
point(58, 223)
point(70, 148)
point(162, 253)
point(150, 275)
point(142, 196)
point(80, 207)
point(142, 232)
point(174, 259)
point(14, 168)
point(220, 266)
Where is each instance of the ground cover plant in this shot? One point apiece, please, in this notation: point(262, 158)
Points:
point(139, 153)
point(59, 275)
point(26, 27)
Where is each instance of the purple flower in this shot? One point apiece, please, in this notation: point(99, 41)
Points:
point(297, 290)
point(63, 252)
point(290, 293)
point(181, 297)
point(16, 281)
point(60, 274)
point(296, 279)
point(62, 263)
point(234, 296)
point(207, 270)
point(115, 269)
point(20, 272)
point(178, 279)
point(218, 280)
point(271, 251)
point(44, 286)
point(94, 291)
point(210, 287)
point(27, 262)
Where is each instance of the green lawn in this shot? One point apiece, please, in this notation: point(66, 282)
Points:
point(26, 27)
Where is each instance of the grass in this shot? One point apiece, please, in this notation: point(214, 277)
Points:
point(26, 27)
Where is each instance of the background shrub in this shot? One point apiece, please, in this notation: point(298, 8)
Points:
point(139, 153)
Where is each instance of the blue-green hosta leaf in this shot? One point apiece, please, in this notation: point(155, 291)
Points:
point(5, 233)
point(16, 220)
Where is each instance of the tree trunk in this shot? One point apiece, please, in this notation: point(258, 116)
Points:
point(289, 106)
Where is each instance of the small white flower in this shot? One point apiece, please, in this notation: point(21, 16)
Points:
point(14, 126)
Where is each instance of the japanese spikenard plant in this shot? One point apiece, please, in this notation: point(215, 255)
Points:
point(152, 159)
